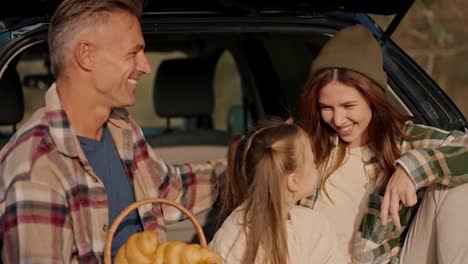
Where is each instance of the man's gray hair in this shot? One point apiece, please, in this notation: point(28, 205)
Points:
point(73, 17)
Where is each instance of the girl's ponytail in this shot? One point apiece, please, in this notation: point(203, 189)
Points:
point(235, 186)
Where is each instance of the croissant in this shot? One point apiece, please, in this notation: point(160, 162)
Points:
point(143, 248)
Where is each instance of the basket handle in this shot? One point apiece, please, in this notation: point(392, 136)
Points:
point(133, 206)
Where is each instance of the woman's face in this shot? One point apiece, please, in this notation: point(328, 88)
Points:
point(347, 111)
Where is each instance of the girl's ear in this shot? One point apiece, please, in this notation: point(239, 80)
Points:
point(292, 182)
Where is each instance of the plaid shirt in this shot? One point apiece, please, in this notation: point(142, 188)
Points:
point(54, 209)
point(430, 156)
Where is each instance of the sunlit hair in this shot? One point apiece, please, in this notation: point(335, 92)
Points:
point(257, 166)
point(385, 128)
point(75, 16)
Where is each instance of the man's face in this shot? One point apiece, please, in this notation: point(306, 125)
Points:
point(119, 59)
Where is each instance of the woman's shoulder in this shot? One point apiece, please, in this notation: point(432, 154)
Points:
point(420, 130)
point(428, 135)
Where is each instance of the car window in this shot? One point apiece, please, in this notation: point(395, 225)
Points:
point(227, 96)
point(33, 68)
point(35, 76)
point(292, 56)
point(143, 111)
point(420, 94)
point(291, 68)
point(228, 111)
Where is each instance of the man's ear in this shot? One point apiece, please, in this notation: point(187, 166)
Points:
point(292, 182)
point(84, 52)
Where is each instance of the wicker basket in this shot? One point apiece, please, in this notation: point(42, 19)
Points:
point(133, 206)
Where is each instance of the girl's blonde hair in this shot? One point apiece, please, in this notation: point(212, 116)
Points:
point(257, 165)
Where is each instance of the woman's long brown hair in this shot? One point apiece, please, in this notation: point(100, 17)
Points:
point(257, 165)
point(385, 128)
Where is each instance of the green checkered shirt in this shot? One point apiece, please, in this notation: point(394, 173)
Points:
point(430, 155)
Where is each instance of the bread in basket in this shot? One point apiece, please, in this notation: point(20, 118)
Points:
point(144, 247)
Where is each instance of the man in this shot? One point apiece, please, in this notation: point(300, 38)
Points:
point(68, 172)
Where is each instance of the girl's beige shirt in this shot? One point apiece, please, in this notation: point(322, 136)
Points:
point(310, 239)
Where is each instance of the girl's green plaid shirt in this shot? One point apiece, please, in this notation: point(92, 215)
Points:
point(53, 207)
point(430, 156)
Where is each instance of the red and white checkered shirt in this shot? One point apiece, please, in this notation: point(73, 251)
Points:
point(54, 209)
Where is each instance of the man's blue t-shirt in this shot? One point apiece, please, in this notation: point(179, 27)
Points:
point(106, 164)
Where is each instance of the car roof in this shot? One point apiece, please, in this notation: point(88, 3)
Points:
point(256, 6)
point(238, 7)
point(14, 12)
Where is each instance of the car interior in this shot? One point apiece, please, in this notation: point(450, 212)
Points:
point(204, 88)
point(11, 102)
point(191, 97)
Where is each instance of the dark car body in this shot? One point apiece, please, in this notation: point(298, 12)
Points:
point(270, 43)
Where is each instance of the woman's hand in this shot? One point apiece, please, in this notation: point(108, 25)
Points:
point(400, 187)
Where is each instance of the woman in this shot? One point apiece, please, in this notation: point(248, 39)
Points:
point(365, 148)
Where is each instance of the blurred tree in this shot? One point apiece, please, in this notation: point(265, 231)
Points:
point(435, 34)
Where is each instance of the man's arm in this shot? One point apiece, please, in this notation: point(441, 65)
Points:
point(36, 226)
point(194, 186)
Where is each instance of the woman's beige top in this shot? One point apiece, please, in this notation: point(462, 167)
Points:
point(310, 239)
point(349, 189)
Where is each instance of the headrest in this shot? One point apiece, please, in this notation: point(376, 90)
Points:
point(184, 88)
point(11, 99)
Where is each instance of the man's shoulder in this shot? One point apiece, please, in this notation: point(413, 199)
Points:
point(28, 153)
point(30, 141)
point(122, 118)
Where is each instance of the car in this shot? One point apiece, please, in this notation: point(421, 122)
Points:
point(220, 67)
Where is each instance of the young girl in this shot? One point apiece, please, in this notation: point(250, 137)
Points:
point(371, 158)
point(268, 173)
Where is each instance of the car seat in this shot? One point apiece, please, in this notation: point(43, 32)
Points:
point(11, 102)
point(184, 88)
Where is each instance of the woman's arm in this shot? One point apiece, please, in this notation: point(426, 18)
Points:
point(430, 155)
